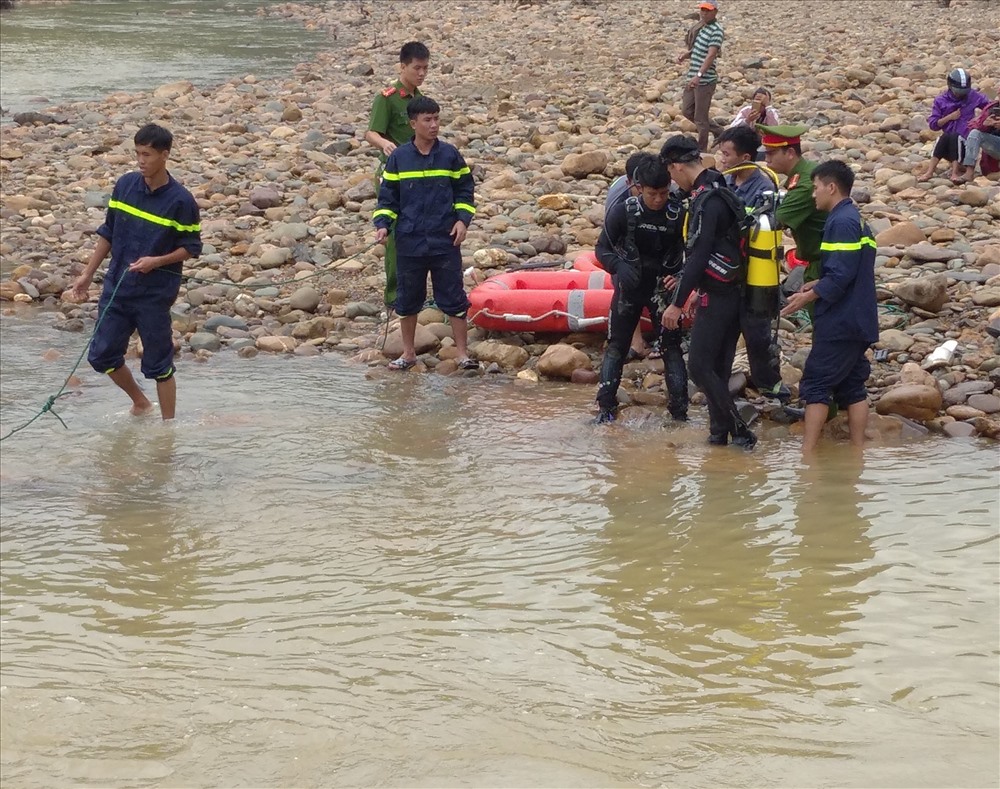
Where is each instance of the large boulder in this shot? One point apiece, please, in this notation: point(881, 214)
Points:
point(926, 252)
point(561, 360)
point(913, 401)
point(895, 340)
point(927, 293)
point(580, 165)
point(306, 299)
point(902, 234)
point(423, 341)
point(509, 356)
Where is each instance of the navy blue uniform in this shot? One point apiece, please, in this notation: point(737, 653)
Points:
point(846, 315)
point(143, 223)
point(422, 197)
point(658, 252)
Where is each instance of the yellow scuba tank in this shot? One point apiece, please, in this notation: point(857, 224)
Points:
point(764, 268)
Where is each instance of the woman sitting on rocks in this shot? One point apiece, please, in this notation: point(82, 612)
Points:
point(951, 114)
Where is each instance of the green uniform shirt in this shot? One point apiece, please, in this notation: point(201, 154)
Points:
point(799, 213)
point(389, 116)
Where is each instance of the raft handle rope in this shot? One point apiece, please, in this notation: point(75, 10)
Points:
point(574, 321)
point(50, 402)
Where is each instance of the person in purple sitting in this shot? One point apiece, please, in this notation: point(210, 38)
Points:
point(951, 114)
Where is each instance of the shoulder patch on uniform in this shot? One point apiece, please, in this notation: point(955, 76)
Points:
point(388, 92)
point(793, 181)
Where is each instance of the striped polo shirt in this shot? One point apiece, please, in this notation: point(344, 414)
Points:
point(709, 36)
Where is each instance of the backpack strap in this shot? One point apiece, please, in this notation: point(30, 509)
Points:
point(632, 212)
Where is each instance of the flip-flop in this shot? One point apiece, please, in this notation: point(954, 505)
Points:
point(401, 364)
point(468, 364)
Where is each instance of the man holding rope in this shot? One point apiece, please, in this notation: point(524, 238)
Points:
point(152, 226)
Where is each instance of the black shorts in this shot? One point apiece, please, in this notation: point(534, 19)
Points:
point(446, 281)
point(950, 147)
point(837, 368)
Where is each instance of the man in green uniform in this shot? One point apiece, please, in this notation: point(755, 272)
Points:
point(798, 211)
point(389, 126)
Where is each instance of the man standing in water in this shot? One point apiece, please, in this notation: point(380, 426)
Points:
point(714, 265)
point(151, 228)
point(427, 198)
point(389, 127)
point(846, 321)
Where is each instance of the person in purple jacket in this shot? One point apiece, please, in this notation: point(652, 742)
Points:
point(951, 114)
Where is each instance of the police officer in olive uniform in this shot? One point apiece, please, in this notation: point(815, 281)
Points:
point(389, 127)
point(797, 212)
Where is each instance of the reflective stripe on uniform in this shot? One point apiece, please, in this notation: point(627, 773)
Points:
point(385, 212)
point(847, 246)
point(465, 207)
point(156, 220)
point(404, 174)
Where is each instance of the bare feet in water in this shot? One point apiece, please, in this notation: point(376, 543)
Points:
point(141, 407)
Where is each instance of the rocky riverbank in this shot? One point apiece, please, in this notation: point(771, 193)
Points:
point(546, 100)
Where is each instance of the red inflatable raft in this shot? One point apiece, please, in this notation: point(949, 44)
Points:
point(546, 301)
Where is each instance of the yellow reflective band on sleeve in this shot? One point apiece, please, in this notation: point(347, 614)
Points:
point(387, 176)
point(465, 207)
point(156, 220)
point(404, 174)
point(385, 212)
point(847, 246)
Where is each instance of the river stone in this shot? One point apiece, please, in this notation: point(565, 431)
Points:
point(900, 182)
point(356, 309)
point(276, 344)
point(423, 341)
point(973, 196)
point(9, 289)
point(913, 373)
point(557, 202)
point(274, 257)
point(204, 341)
point(895, 340)
point(959, 393)
point(926, 252)
point(928, 293)
point(987, 403)
point(509, 356)
point(305, 299)
point(365, 190)
point(959, 430)
point(580, 165)
point(560, 360)
point(581, 376)
point(913, 401)
point(963, 412)
point(265, 197)
point(987, 296)
point(228, 321)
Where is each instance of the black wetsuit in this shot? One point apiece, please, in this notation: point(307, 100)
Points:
point(713, 231)
point(638, 275)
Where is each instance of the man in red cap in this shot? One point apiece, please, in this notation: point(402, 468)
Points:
point(704, 43)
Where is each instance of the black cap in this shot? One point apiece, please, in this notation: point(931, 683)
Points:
point(680, 149)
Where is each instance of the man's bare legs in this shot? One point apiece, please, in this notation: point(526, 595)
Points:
point(166, 391)
point(123, 380)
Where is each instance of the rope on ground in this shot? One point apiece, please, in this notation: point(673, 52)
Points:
point(47, 408)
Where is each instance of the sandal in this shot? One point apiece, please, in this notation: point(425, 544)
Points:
point(468, 364)
point(401, 364)
point(633, 355)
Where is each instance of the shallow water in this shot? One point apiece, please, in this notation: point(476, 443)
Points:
point(81, 51)
point(317, 579)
